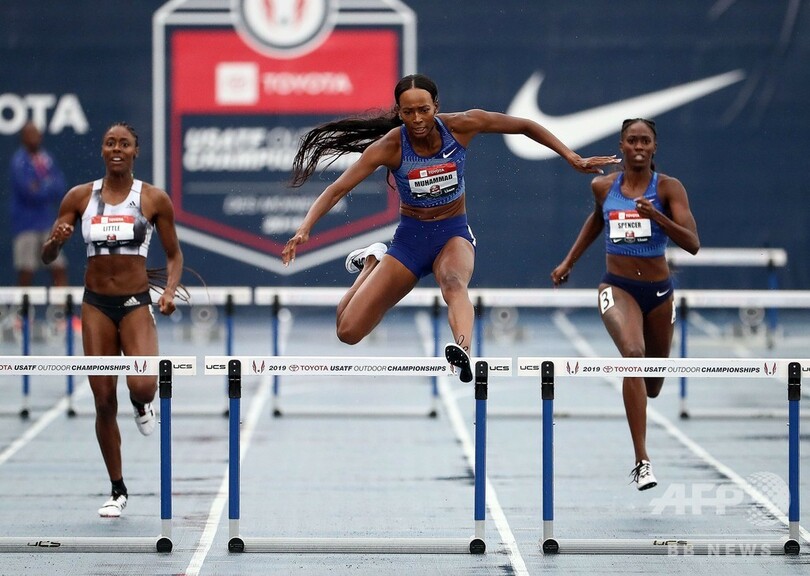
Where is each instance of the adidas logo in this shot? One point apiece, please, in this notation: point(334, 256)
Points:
point(132, 204)
point(132, 301)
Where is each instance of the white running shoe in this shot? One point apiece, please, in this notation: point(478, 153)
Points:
point(357, 259)
point(643, 475)
point(144, 417)
point(113, 507)
point(458, 357)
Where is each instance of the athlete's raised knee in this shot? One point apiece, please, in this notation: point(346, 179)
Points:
point(349, 334)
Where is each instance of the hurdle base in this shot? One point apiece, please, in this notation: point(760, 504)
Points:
point(672, 546)
point(99, 544)
point(372, 412)
point(738, 414)
point(236, 545)
point(164, 545)
point(362, 545)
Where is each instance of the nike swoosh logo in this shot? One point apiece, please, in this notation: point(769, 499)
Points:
point(448, 154)
point(659, 294)
point(587, 126)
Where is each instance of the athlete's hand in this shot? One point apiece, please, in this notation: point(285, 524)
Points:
point(644, 207)
point(560, 274)
point(288, 254)
point(593, 164)
point(61, 233)
point(166, 304)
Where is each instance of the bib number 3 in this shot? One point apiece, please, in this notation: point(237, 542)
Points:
point(606, 301)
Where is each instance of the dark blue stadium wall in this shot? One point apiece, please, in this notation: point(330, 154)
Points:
point(741, 149)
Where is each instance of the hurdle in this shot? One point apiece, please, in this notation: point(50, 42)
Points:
point(769, 258)
point(25, 298)
point(789, 370)
point(234, 367)
point(163, 367)
point(705, 299)
point(279, 299)
point(686, 301)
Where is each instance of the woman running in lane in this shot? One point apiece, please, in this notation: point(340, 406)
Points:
point(640, 210)
point(118, 214)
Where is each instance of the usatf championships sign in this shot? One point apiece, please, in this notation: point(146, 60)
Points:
point(237, 82)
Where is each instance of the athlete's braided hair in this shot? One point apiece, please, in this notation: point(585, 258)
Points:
point(334, 139)
point(128, 127)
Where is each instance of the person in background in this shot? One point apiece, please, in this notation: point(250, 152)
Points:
point(37, 186)
point(118, 214)
point(640, 210)
point(425, 152)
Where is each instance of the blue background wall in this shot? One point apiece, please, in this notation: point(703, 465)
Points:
point(741, 152)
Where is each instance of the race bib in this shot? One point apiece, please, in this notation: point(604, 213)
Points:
point(433, 182)
point(112, 230)
point(627, 227)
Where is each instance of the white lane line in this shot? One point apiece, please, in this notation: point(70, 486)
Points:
point(42, 422)
point(448, 397)
point(218, 505)
point(566, 327)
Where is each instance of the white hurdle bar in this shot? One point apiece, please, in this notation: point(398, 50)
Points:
point(785, 370)
point(235, 367)
point(165, 368)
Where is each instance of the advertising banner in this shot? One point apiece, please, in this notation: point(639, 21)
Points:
point(237, 83)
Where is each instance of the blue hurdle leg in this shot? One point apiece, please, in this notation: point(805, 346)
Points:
point(478, 545)
point(549, 544)
point(164, 543)
point(235, 542)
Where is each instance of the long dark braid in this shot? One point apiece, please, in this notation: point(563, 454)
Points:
point(158, 277)
point(334, 139)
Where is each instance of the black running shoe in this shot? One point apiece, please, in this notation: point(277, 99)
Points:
point(456, 356)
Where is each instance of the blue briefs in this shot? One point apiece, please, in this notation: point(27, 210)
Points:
point(649, 295)
point(417, 243)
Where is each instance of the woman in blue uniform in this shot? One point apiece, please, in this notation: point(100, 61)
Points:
point(639, 210)
point(118, 214)
point(425, 152)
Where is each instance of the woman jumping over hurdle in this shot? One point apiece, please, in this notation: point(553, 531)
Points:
point(118, 214)
point(425, 152)
point(639, 210)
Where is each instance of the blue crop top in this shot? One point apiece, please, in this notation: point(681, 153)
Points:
point(627, 233)
point(436, 180)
